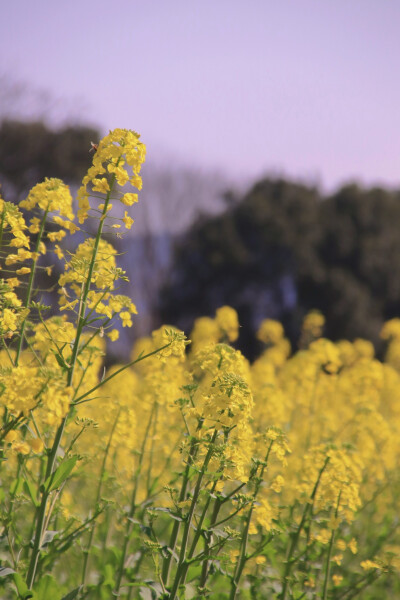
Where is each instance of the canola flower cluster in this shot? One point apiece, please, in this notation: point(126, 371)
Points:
point(188, 472)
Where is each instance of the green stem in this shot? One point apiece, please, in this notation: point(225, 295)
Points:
point(98, 495)
point(3, 214)
point(296, 536)
point(151, 451)
point(9, 517)
point(182, 556)
point(30, 284)
point(175, 530)
point(328, 558)
point(121, 569)
point(366, 580)
point(245, 536)
point(41, 510)
point(199, 526)
point(81, 399)
point(199, 531)
point(204, 570)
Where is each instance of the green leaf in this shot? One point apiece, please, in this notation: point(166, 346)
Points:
point(4, 571)
point(31, 490)
point(48, 537)
point(16, 486)
point(72, 594)
point(61, 361)
point(108, 576)
point(22, 589)
point(60, 474)
point(47, 589)
point(172, 514)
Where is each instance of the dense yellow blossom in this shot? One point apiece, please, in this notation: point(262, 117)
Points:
point(120, 149)
point(228, 322)
point(51, 195)
point(270, 331)
point(11, 310)
point(104, 271)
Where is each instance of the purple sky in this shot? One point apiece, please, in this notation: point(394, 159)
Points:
point(308, 88)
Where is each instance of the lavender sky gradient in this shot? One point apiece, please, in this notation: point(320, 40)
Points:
point(306, 88)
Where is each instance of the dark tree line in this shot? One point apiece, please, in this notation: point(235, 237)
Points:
point(282, 250)
point(31, 151)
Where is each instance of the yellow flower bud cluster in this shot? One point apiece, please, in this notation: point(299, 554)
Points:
point(312, 328)
point(25, 388)
point(50, 195)
point(11, 310)
point(104, 276)
point(278, 348)
point(174, 339)
point(270, 332)
point(227, 320)
point(77, 269)
point(120, 149)
point(12, 221)
point(224, 327)
point(18, 445)
point(391, 334)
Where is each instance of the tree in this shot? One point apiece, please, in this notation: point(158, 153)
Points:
point(283, 250)
point(31, 151)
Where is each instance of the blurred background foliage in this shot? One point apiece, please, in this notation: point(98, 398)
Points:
point(277, 250)
point(284, 249)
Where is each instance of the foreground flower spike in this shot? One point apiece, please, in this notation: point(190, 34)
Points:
point(120, 149)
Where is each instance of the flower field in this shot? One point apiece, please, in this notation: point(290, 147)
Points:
point(188, 472)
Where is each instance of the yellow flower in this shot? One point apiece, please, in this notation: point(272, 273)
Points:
point(56, 236)
point(313, 322)
point(69, 225)
point(127, 220)
point(101, 185)
point(37, 445)
point(270, 331)
point(23, 271)
point(228, 322)
point(8, 320)
point(21, 448)
point(13, 282)
point(337, 579)
point(278, 483)
point(352, 545)
point(34, 225)
point(58, 252)
point(104, 272)
point(205, 331)
point(126, 319)
point(129, 199)
point(51, 195)
point(19, 257)
point(369, 564)
point(11, 436)
point(120, 146)
point(113, 335)
point(174, 339)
